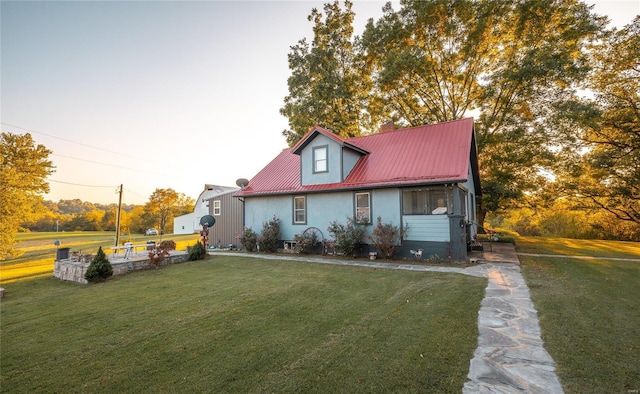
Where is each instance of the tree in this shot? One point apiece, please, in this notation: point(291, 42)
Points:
point(328, 85)
point(608, 175)
point(164, 205)
point(510, 61)
point(99, 269)
point(23, 169)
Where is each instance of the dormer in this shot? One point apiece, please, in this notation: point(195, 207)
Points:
point(325, 157)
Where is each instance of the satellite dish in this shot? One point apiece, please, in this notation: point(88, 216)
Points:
point(242, 182)
point(208, 220)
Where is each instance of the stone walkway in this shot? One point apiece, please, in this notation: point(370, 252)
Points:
point(510, 357)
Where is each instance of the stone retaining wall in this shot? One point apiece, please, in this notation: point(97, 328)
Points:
point(74, 271)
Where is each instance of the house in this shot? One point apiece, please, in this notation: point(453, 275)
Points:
point(425, 178)
point(190, 223)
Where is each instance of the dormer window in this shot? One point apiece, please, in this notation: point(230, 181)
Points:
point(320, 159)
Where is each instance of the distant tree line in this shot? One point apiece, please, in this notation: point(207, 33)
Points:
point(24, 166)
point(78, 215)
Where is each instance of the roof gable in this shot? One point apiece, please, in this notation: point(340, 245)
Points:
point(315, 131)
point(438, 153)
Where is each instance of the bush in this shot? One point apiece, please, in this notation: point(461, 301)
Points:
point(270, 238)
point(157, 254)
point(197, 252)
point(99, 269)
point(248, 239)
point(347, 238)
point(386, 238)
point(306, 242)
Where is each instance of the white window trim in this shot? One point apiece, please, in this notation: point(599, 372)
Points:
point(217, 206)
point(316, 161)
point(295, 210)
point(355, 203)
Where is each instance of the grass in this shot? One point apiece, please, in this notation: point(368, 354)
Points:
point(237, 324)
point(40, 251)
point(588, 310)
point(579, 247)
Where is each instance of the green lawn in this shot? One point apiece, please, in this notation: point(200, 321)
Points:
point(40, 251)
point(589, 311)
point(236, 324)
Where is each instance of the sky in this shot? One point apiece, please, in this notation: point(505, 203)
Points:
point(159, 94)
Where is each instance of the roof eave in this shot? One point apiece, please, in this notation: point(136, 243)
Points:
point(351, 186)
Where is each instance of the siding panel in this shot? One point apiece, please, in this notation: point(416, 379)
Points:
point(228, 223)
point(427, 228)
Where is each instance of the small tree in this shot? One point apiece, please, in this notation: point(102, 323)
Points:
point(157, 254)
point(270, 238)
point(99, 269)
point(386, 238)
point(347, 237)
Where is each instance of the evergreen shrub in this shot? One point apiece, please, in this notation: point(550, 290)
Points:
point(197, 252)
point(99, 269)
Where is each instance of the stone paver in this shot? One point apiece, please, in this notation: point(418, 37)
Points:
point(510, 357)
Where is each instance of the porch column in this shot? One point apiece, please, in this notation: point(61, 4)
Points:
point(458, 234)
point(457, 228)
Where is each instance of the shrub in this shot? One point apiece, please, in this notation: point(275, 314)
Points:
point(157, 254)
point(347, 237)
point(248, 239)
point(386, 238)
point(197, 252)
point(99, 269)
point(270, 238)
point(306, 242)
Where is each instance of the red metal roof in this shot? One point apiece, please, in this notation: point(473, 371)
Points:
point(437, 153)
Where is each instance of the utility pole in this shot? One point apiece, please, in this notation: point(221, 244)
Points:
point(118, 217)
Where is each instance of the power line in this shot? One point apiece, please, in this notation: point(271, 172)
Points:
point(102, 149)
point(75, 142)
point(79, 184)
point(106, 164)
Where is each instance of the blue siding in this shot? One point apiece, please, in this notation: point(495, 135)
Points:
point(258, 210)
point(322, 209)
point(334, 175)
point(427, 228)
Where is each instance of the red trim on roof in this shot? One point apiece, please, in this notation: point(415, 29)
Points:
point(437, 153)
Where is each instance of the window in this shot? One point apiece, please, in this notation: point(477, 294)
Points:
point(464, 202)
point(363, 207)
point(320, 159)
point(430, 201)
point(217, 208)
point(299, 210)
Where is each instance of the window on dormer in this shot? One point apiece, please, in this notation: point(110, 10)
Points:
point(320, 159)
